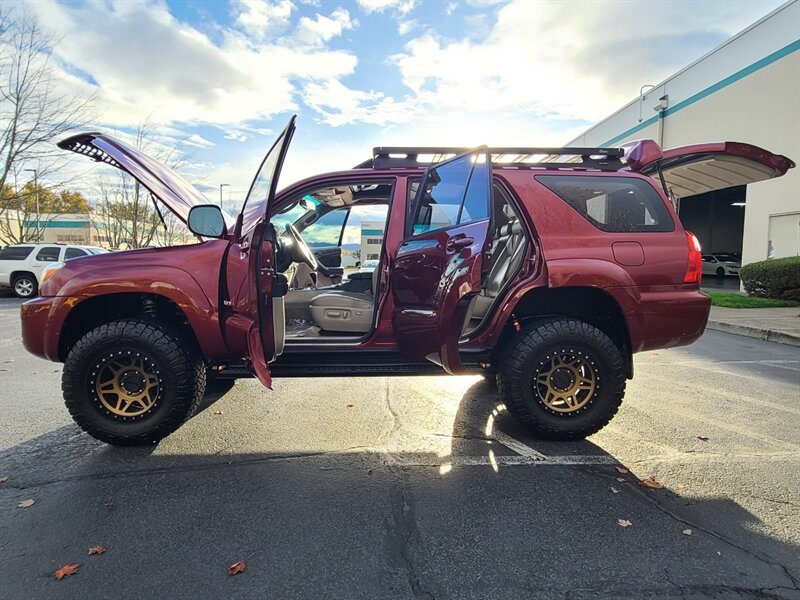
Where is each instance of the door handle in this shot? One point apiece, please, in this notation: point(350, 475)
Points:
point(457, 243)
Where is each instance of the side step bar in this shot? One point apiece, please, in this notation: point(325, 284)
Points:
point(349, 364)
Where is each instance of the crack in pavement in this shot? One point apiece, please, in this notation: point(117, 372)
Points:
point(653, 501)
point(405, 532)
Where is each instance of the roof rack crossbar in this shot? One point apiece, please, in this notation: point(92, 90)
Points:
point(606, 159)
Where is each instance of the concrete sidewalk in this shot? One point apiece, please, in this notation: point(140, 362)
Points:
point(780, 325)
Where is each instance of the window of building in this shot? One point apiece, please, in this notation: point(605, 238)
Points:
point(48, 254)
point(614, 204)
point(15, 252)
point(374, 240)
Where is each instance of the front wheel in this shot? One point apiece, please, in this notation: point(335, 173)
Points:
point(132, 382)
point(563, 379)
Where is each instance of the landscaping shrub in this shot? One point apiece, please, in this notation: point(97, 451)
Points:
point(775, 278)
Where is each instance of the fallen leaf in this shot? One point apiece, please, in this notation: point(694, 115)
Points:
point(651, 482)
point(702, 438)
point(96, 550)
point(66, 570)
point(238, 567)
point(349, 406)
point(620, 479)
point(3, 479)
point(26, 503)
point(622, 470)
point(624, 523)
point(614, 490)
point(687, 532)
point(218, 412)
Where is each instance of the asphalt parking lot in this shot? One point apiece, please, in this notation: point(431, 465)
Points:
point(414, 488)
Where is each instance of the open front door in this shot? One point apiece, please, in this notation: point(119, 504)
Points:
point(701, 168)
point(267, 286)
point(439, 265)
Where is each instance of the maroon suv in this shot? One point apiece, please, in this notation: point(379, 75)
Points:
point(547, 268)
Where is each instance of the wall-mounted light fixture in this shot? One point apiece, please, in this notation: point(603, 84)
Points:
point(642, 98)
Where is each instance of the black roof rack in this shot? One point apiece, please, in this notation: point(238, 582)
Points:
point(402, 157)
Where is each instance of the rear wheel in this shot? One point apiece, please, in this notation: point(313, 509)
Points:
point(720, 272)
point(563, 379)
point(25, 285)
point(132, 382)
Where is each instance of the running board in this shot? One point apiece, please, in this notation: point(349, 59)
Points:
point(350, 364)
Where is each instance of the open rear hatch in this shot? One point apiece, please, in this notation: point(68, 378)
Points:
point(700, 168)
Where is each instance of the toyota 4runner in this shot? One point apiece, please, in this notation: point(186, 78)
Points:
point(545, 268)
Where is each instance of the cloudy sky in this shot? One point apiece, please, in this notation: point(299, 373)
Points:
point(222, 77)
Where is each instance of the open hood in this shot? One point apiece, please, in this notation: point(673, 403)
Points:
point(700, 168)
point(174, 191)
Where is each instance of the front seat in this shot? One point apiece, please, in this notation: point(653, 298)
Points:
point(347, 312)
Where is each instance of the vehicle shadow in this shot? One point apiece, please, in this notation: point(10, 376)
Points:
point(483, 522)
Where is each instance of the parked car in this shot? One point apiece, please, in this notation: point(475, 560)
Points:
point(368, 266)
point(546, 275)
point(721, 264)
point(22, 265)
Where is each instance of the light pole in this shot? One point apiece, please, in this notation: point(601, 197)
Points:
point(36, 195)
point(222, 185)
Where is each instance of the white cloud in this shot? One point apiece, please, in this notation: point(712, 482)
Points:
point(198, 141)
point(401, 6)
point(260, 18)
point(405, 26)
point(321, 29)
point(144, 63)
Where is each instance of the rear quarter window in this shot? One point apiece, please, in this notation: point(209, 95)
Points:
point(614, 204)
point(16, 252)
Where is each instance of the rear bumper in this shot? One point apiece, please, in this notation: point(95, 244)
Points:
point(663, 316)
point(42, 320)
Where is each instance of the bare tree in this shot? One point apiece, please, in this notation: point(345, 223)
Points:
point(33, 113)
point(126, 210)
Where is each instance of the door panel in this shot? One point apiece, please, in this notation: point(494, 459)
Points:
point(438, 268)
point(264, 339)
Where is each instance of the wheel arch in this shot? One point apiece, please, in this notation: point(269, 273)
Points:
point(105, 308)
point(591, 305)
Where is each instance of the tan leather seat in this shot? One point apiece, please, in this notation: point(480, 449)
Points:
point(347, 312)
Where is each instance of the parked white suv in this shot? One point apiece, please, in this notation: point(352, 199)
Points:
point(22, 265)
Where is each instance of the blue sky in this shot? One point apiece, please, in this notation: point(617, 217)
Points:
point(221, 78)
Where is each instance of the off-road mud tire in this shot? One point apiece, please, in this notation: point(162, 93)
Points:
point(181, 373)
point(520, 363)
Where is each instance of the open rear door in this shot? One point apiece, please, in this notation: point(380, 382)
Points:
point(439, 265)
point(266, 335)
point(701, 168)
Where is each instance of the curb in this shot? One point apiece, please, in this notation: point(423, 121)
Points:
point(768, 335)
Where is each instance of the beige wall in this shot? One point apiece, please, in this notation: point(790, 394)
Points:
point(762, 109)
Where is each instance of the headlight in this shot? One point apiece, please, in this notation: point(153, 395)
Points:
point(49, 270)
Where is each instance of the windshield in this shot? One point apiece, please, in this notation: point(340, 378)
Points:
point(263, 187)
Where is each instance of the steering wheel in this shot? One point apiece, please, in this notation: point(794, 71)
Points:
point(298, 250)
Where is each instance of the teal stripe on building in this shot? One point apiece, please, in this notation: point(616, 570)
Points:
point(375, 232)
point(57, 224)
point(749, 70)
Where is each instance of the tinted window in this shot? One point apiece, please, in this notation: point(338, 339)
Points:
point(73, 253)
point(453, 195)
point(612, 203)
point(48, 254)
point(15, 252)
point(327, 230)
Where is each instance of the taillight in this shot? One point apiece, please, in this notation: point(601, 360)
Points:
point(694, 269)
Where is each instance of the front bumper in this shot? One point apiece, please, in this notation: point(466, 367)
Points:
point(42, 320)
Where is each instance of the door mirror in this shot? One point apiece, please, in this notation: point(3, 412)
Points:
point(207, 221)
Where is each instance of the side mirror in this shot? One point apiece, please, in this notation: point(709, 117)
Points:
point(206, 220)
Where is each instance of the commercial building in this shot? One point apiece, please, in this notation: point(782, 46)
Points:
point(371, 240)
point(746, 90)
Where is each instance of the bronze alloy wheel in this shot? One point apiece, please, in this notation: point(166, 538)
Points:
point(566, 380)
point(126, 384)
